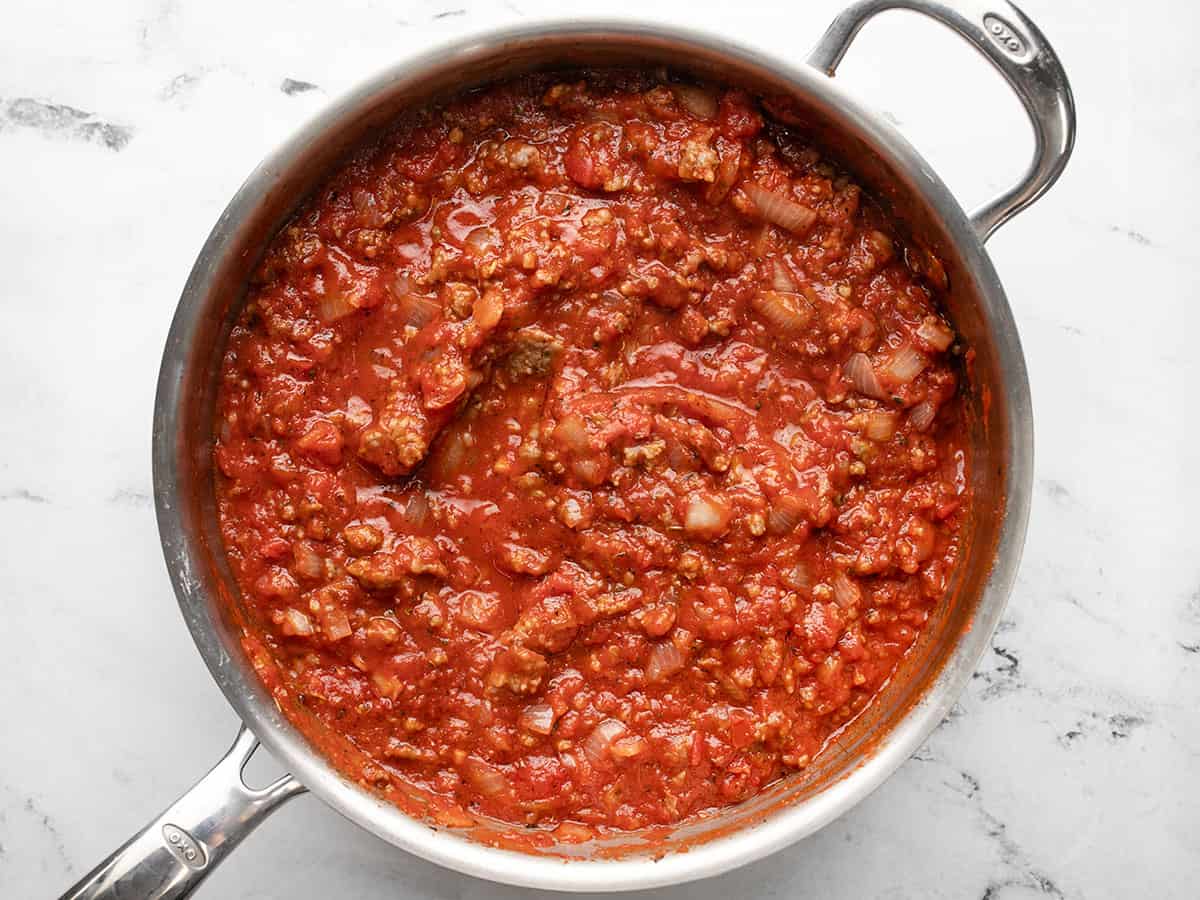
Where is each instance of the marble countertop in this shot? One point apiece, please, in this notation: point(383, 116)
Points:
point(1071, 767)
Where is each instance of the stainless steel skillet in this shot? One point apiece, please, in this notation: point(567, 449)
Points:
point(175, 852)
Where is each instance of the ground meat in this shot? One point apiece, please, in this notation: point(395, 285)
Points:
point(519, 670)
point(401, 437)
point(532, 354)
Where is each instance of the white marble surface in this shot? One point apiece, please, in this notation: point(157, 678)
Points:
point(1071, 768)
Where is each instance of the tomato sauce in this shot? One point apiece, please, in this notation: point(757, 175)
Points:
point(589, 451)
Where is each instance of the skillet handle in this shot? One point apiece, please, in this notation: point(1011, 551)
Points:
point(171, 856)
point(1020, 52)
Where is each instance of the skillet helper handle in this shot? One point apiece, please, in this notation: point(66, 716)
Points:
point(172, 855)
point(1020, 52)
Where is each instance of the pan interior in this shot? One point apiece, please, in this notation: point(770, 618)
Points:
point(926, 683)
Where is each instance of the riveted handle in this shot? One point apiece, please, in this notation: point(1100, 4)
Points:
point(1020, 52)
point(172, 855)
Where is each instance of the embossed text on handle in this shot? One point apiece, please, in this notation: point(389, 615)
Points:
point(184, 847)
point(1004, 36)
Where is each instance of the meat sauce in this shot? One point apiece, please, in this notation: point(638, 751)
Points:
point(589, 451)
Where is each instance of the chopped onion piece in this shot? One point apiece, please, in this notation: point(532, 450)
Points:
point(335, 305)
point(589, 471)
point(416, 511)
point(934, 333)
point(922, 415)
point(358, 412)
point(627, 747)
point(489, 780)
point(386, 685)
point(415, 310)
point(482, 240)
point(572, 433)
point(781, 278)
point(881, 247)
point(780, 210)
point(400, 286)
point(880, 424)
point(707, 516)
point(695, 403)
point(308, 562)
point(796, 576)
point(861, 375)
point(598, 742)
point(786, 513)
point(454, 454)
point(904, 365)
point(538, 718)
point(680, 458)
point(845, 591)
point(664, 661)
point(382, 631)
point(790, 313)
point(367, 207)
point(336, 624)
point(696, 100)
point(296, 623)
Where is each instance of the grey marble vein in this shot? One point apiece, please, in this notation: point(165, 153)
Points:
point(293, 86)
point(60, 120)
point(1000, 673)
point(129, 497)
point(24, 495)
point(182, 84)
point(1133, 234)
